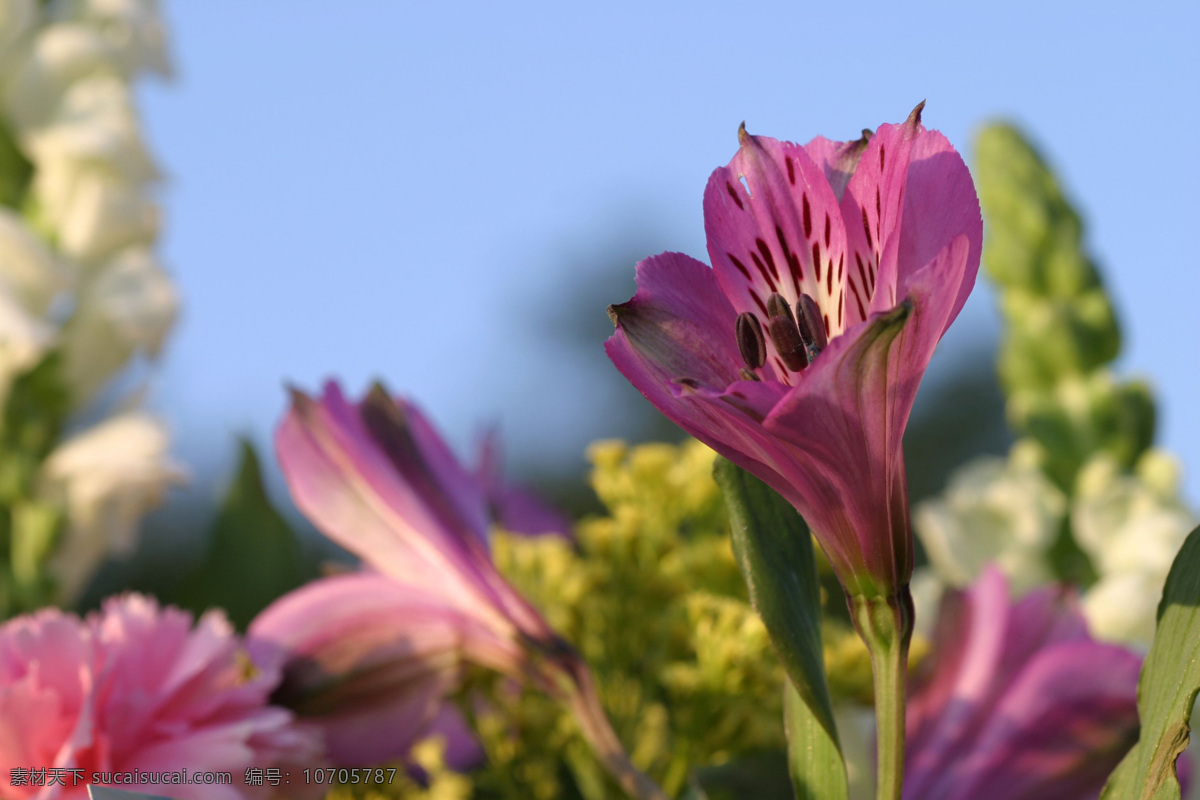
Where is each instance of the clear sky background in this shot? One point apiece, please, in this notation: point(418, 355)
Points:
point(445, 194)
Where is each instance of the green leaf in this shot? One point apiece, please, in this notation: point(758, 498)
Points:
point(1167, 689)
point(37, 405)
point(762, 775)
point(15, 170)
point(254, 556)
point(775, 552)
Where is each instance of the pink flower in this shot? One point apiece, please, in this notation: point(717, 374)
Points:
point(837, 267)
point(1020, 702)
point(371, 656)
point(370, 662)
point(376, 478)
point(136, 687)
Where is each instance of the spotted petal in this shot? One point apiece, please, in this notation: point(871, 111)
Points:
point(848, 416)
point(910, 195)
point(675, 343)
point(822, 420)
point(780, 231)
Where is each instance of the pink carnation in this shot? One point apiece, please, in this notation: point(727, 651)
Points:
point(136, 687)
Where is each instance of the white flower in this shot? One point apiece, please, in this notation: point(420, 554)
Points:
point(24, 338)
point(31, 272)
point(95, 124)
point(58, 56)
point(927, 589)
point(106, 478)
point(995, 510)
point(128, 309)
point(92, 183)
point(95, 211)
point(1131, 522)
point(1131, 526)
point(133, 29)
point(1122, 607)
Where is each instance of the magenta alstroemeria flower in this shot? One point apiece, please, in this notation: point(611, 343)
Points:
point(136, 687)
point(837, 267)
point(1019, 702)
point(376, 478)
point(369, 661)
point(370, 656)
point(373, 655)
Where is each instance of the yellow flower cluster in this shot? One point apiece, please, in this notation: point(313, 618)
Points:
point(652, 597)
point(441, 784)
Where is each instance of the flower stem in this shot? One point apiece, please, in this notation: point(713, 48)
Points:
point(885, 625)
point(578, 691)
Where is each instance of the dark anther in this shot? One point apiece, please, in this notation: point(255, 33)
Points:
point(784, 334)
point(777, 306)
point(747, 375)
point(750, 340)
point(812, 329)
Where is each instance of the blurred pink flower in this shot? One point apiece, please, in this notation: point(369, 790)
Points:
point(137, 687)
point(372, 656)
point(837, 267)
point(370, 661)
point(1019, 703)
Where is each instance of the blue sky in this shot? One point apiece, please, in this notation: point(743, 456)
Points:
point(417, 191)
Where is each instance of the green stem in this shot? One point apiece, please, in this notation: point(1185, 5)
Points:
point(568, 677)
point(885, 625)
point(594, 725)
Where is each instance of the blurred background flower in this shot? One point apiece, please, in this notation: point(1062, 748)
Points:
point(82, 294)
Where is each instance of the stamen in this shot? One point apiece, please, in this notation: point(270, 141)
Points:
point(777, 306)
point(785, 334)
point(747, 375)
point(750, 340)
point(812, 327)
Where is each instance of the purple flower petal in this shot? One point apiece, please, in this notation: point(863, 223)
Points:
point(1020, 703)
point(877, 243)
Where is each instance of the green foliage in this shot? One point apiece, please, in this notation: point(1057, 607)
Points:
point(38, 403)
point(33, 415)
point(775, 552)
point(1060, 328)
point(15, 170)
point(1167, 689)
point(253, 556)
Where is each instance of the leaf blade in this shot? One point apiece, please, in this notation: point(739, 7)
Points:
point(254, 556)
point(774, 550)
point(1167, 688)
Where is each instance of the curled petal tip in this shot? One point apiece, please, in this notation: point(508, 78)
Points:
point(378, 393)
point(914, 119)
point(300, 401)
point(743, 137)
